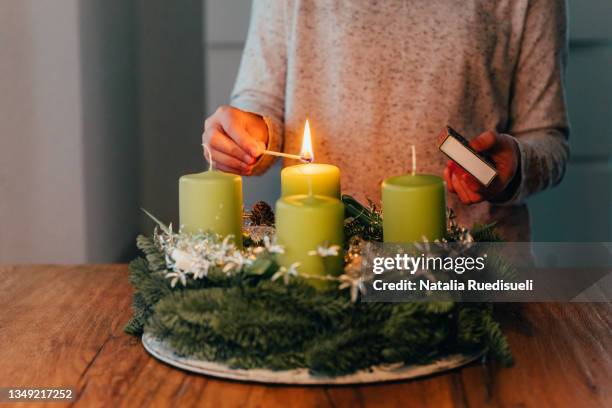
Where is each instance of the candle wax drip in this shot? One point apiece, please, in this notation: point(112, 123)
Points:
point(309, 179)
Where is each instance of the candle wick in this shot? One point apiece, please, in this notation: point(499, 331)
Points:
point(413, 159)
point(208, 153)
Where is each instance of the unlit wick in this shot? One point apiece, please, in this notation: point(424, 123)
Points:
point(208, 153)
point(413, 159)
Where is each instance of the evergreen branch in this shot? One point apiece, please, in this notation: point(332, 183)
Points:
point(486, 233)
point(245, 320)
point(361, 221)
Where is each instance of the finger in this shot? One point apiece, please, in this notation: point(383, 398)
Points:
point(458, 170)
point(484, 141)
point(454, 167)
point(466, 177)
point(472, 183)
point(226, 160)
point(461, 190)
point(473, 188)
point(447, 179)
point(458, 189)
point(234, 123)
point(257, 127)
point(473, 195)
point(228, 169)
point(476, 198)
point(223, 143)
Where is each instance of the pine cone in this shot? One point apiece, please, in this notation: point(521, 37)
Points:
point(262, 214)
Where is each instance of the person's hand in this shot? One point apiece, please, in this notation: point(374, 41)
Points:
point(504, 153)
point(235, 138)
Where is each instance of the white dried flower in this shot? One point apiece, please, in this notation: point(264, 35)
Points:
point(176, 276)
point(286, 273)
point(354, 282)
point(182, 260)
point(269, 245)
point(325, 251)
point(192, 255)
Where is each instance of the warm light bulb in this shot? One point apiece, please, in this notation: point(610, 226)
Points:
point(306, 153)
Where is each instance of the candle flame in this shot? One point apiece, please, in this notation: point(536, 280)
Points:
point(307, 153)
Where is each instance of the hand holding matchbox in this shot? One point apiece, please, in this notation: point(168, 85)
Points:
point(458, 149)
point(485, 168)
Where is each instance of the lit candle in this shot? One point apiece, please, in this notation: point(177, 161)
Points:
point(211, 201)
point(324, 178)
point(414, 207)
point(305, 222)
point(310, 217)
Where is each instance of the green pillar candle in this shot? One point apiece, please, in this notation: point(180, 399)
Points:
point(211, 201)
point(414, 206)
point(304, 222)
point(325, 179)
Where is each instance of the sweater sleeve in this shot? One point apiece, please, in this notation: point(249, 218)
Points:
point(260, 85)
point(538, 117)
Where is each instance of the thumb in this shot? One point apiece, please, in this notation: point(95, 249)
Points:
point(484, 141)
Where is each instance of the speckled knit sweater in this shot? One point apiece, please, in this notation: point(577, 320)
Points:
point(374, 77)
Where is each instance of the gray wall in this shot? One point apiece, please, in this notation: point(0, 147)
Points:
point(101, 105)
point(171, 99)
point(579, 209)
point(108, 133)
point(42, 184)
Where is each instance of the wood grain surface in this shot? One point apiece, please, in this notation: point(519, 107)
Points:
point(62, 326)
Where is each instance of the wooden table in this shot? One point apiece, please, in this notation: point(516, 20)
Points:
point(63, 326)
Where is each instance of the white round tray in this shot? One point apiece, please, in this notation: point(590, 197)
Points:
point(162, 351)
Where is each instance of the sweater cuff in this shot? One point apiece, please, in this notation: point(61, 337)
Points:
point(517, 185)
point(274, 143)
